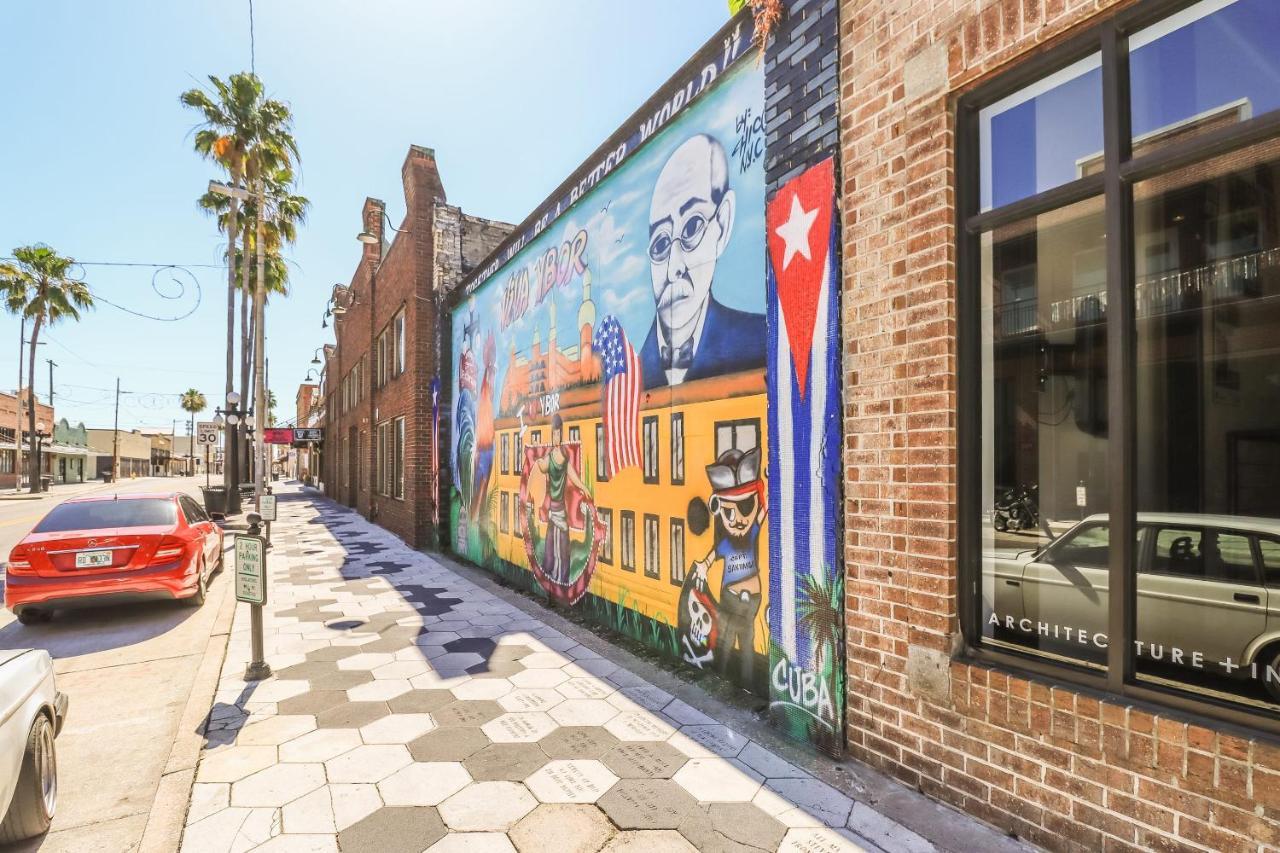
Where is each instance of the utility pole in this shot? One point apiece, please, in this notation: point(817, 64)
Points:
point(17, 429)
point(52, 365)
point(115, 439)
point(258, 668)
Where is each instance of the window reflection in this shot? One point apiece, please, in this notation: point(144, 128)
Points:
point(1207, 256)
point(1042, 136)
point(1045, 432)
point(1210, 66)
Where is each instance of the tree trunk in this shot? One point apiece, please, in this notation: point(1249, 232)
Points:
point(246, 343)
point(229, 446)
point(33, 459)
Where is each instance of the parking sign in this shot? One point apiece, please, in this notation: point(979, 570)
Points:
point(267, 507)
point(251, 569)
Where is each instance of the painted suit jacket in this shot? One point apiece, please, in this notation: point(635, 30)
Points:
point(731, 340)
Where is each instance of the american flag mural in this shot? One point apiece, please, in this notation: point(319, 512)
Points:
point(806, 587)
point(621, 380)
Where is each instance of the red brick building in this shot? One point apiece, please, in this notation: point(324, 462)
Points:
point(10, 470)
point(377, 403)
point(1060, 245)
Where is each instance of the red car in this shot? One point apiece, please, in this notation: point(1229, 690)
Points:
point(98, 550)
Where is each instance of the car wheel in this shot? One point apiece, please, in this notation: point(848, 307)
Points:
point(1272, 659)
point(34, 617)
point(36, 797)
point(202, 589)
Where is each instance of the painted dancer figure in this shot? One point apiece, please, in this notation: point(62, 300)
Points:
point(690, 221)
point(737, 502)
point(560, 476)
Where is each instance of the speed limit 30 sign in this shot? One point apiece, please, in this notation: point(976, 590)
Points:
point(206, 432)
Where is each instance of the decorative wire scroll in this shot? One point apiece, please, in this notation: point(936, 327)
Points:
point(157, 285)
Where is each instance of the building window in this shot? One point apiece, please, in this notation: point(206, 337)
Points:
point(506, 453)
point(627, 534)
point(606, 544)
point(535, 438)
point(650, 426)
point(575, 435)
point(1117, 329)
point(397, 327)
point(741, 435)
point(6, 461)
point(652, 547)
point(677, 448)
point(517, 459)
point(398, 483)
point(602, 467)
point(503, 513)
point(677, 551)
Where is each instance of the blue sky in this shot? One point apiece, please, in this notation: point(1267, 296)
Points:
point(97, 157)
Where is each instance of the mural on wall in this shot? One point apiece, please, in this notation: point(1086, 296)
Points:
point(609, 398)
point(806, 660)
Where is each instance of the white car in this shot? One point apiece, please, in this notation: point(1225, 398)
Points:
point(31, 715)
point(1208, 593)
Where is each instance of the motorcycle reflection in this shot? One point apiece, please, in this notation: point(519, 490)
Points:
point(1016, 509)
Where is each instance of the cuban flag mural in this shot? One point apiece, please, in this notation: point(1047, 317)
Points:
point(806, 589)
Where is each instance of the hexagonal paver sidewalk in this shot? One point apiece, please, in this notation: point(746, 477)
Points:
point(412, 711)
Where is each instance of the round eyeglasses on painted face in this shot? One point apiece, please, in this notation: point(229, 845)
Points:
point(692, 230)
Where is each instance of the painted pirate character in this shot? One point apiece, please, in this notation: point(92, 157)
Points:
point(737, 504)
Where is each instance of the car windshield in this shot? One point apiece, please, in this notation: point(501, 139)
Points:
point(97, 515)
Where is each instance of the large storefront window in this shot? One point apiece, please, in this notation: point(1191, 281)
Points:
point(1044, 360)
point(1123, 361)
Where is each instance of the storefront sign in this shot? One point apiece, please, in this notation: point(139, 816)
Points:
point(278, 435)
point(308, 434)
point(251, 569)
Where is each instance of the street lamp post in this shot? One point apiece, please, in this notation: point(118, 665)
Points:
point(230, 470)
point(41, 434)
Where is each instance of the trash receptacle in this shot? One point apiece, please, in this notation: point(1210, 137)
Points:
point(45, 483)
point(215, 499)
point(106, 476)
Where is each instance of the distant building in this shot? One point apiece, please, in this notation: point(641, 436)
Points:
point(69, 453)
point(14, 472)
point(134, 450)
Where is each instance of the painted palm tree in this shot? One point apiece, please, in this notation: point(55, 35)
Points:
point(39, 288)
point(193, 402)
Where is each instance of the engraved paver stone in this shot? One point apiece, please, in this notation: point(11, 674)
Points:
point(644, 760)
point(572, 781)
point(647, 804)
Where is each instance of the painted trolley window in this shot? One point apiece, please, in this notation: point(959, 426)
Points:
point(1120, 350)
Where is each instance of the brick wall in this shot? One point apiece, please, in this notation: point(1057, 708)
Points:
point(1060, 767)
point(402, 271)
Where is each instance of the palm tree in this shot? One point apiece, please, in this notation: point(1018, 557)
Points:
point(251, 136)
point(39, 288)
point(288, 210)
point(192, 401)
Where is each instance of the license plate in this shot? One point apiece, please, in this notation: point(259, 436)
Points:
point(93, 559)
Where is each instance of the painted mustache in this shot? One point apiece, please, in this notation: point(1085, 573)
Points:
point(675, 290)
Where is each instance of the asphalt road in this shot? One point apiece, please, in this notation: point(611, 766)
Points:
point(128, 671)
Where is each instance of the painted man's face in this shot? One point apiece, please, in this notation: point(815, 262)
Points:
point(737, 514)
point(688, 230)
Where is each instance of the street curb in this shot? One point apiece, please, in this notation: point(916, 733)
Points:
point(168, 815)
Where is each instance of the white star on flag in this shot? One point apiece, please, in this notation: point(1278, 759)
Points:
point(795, 231)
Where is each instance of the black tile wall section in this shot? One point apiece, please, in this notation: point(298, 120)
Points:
point(801, 89)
